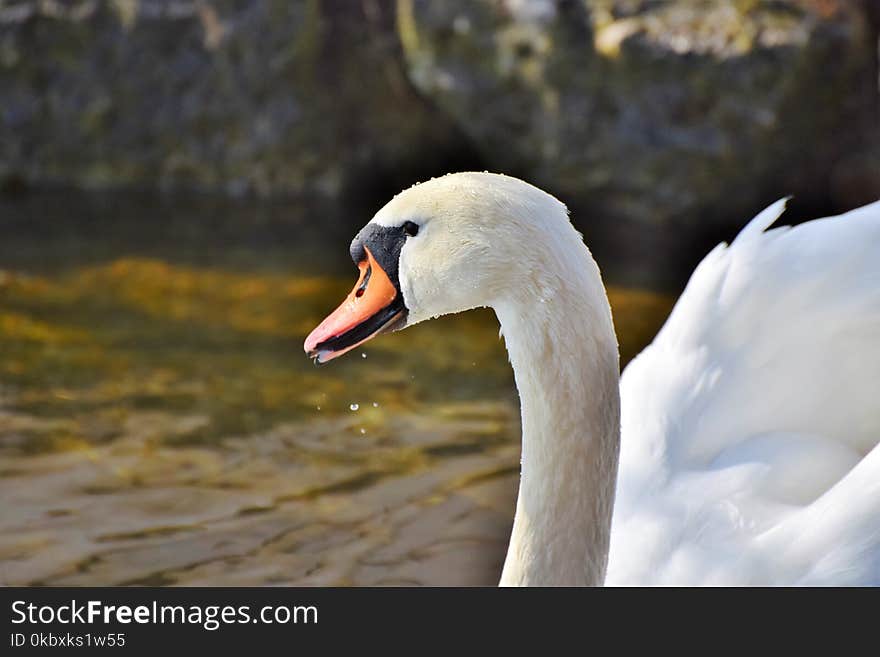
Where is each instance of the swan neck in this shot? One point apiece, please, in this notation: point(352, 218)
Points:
point(563, 350)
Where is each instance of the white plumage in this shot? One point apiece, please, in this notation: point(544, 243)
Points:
point(747, 431)
point(750, 426)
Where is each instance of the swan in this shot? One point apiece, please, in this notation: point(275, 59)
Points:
point(739, 448)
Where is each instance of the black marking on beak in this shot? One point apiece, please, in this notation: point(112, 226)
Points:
point(385, 243)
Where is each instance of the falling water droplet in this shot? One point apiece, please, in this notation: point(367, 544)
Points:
point(363, 355)
point(375, 404)
point(318, 407)
point(354, 407)
point(363, 431)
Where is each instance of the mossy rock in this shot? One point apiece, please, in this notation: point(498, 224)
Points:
point(269, 97)
point(664, 113)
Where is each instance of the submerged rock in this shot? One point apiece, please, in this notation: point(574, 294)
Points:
point(659, 112)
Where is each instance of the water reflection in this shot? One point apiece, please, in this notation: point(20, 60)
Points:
point(159, 423)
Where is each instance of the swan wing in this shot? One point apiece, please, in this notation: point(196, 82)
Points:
point(750, 426)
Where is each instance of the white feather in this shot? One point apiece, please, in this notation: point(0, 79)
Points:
point(750, 426)
point(748, 429)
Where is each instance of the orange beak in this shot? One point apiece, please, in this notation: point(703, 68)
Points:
point(373, 306)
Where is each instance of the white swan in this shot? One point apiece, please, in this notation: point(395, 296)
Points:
point(750, 426)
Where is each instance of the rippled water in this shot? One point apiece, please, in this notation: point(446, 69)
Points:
point(159, 423)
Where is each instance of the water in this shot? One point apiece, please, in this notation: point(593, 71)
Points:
point(159, 423)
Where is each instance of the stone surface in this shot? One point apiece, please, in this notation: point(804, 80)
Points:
point(682, 112)
point(659, 112)
point(264, 96)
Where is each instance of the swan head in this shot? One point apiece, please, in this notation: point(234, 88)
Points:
point(463, 241)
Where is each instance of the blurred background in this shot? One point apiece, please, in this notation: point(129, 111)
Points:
point(179, 182)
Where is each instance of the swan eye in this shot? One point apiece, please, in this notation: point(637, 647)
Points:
point(411, 228)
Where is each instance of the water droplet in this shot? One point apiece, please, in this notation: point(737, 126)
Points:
point(375, 404)
point(363, 355)
point(318, 407)
point(354, 407)
point(363, 431)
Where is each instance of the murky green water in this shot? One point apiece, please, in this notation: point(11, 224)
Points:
point(160, 424)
